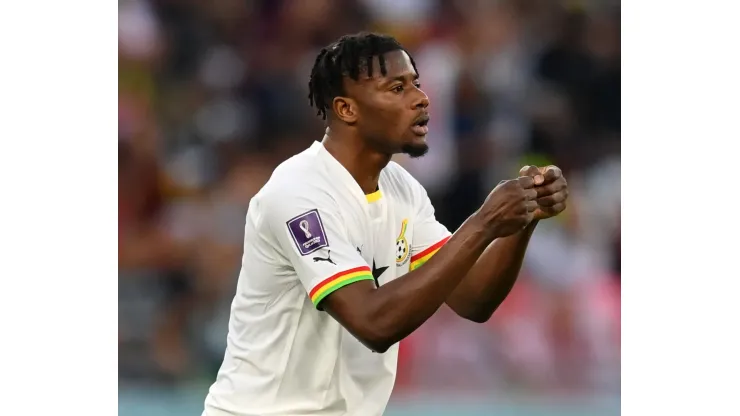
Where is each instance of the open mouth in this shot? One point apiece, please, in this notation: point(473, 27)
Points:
point(420, 126)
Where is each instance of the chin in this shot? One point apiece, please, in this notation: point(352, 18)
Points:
point(416, 149)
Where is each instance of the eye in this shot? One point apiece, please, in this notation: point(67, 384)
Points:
point(397, 88)
point(417, 84)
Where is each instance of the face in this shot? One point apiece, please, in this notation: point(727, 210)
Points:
point(389, 111)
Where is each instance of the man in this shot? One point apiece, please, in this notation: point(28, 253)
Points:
point(343, 256)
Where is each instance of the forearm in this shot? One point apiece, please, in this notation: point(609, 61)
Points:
point(492, 277)
point(401, 306)
point(380, 317)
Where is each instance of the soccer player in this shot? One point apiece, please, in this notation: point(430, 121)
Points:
point(343, 256)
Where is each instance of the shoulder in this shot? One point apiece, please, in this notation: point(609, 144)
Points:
point(296, 184)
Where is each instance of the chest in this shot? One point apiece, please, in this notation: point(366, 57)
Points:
point(382, 232)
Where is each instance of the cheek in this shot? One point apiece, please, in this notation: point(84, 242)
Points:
point(380, 118)
point(393, 118)
point(384, 116)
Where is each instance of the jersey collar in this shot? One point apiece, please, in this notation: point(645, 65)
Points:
point(337, 171)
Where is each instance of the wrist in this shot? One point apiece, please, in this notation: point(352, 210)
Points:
point(489, 227)
point(491, 230)
point(482, 226)
point(529, 229)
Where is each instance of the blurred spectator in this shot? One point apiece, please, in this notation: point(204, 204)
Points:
point(212, 96)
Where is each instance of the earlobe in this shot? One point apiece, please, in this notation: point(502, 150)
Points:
point(344, 108)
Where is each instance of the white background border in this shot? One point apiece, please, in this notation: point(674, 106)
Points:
point(681, 296)
point(681, 251)
point(58, 208)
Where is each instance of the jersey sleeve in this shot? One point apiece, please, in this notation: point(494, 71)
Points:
point(429, 234)
point(311, 234)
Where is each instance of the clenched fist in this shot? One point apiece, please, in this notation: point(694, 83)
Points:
point(509, 207)
point(551, 187)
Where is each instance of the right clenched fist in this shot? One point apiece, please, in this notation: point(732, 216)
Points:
point(510, 206)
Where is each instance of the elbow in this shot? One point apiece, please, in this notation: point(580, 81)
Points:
point(376, 339)
point(471, 310)
point(379, 346)
point(479, 317)
point(377, 342)
point(478, 312)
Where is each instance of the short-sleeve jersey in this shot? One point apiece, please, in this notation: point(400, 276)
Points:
point(310, 231)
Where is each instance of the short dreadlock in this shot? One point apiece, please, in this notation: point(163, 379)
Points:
point(347, 57)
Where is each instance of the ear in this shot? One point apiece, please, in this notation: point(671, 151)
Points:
point(345, 109)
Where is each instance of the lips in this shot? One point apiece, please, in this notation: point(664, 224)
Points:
point(420, 127)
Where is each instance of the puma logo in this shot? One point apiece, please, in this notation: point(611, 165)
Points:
point(328, 258)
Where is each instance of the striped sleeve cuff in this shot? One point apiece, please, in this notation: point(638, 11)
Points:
point(422, 257)
point(341, 279)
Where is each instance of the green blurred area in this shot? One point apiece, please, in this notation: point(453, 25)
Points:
point(189, 402)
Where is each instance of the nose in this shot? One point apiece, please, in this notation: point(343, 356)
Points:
point(421, 101)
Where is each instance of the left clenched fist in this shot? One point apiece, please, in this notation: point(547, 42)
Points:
point(551, 187)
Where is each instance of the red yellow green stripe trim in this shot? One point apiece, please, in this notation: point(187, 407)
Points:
point(330, 284)
point(420, 258)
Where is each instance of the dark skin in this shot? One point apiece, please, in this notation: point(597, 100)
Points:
point(474, 271)
point(492, 277)
point(374, 120)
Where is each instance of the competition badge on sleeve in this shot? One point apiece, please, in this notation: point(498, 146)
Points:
point(308, 232)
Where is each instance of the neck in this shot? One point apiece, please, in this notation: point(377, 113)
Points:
point(361, 161)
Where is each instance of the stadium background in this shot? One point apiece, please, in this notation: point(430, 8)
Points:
point(213, 95)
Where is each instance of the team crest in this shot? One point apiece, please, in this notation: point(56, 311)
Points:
point(402, 245)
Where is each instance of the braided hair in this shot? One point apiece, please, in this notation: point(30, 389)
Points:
point(347, 57)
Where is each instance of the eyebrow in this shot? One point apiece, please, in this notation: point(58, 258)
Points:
point(401, 78)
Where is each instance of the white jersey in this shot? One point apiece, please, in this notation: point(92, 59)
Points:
point(310, 231)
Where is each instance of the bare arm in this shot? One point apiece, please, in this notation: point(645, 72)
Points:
point(380, 317)
point(493, 276)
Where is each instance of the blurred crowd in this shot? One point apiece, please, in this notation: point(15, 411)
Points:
point(213, 95)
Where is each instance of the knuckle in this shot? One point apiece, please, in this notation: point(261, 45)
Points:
point(528, 169)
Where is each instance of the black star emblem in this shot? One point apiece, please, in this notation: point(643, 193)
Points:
point(377, 272)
